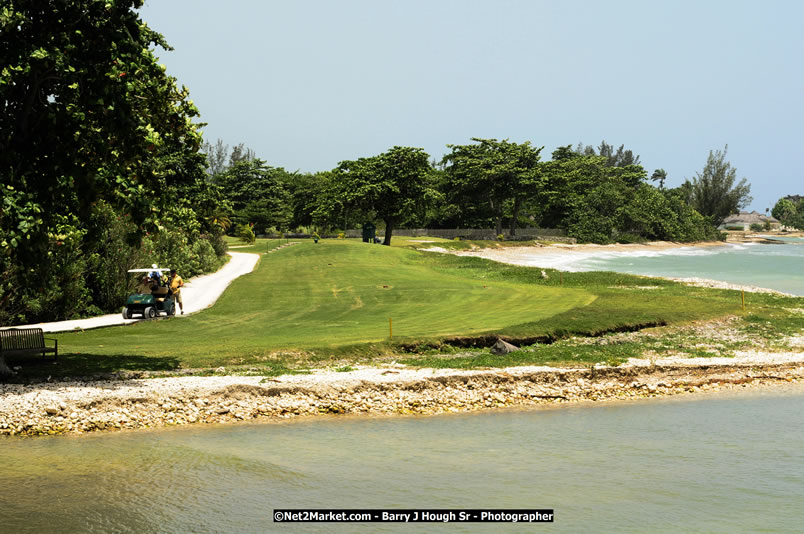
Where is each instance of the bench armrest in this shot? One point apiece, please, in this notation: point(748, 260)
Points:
point(54, 340)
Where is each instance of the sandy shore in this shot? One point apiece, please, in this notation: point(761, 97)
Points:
point(515, 254)
point(591, 247)
point(136, 403)
point(561, 256)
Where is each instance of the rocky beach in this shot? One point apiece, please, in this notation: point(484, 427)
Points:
point(137, 403)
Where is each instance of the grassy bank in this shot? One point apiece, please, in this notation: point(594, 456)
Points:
point(312, 304)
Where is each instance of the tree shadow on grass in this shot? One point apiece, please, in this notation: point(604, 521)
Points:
point(80, 365)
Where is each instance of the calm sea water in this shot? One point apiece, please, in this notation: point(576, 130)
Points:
point(708, 464)
point(777, 266)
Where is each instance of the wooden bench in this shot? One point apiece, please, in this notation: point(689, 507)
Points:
point(26, 341)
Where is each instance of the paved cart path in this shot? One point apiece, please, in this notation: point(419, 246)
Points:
point(198, 293)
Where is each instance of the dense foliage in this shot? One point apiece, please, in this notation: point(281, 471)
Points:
point(790, 211)
point(97, 147)
point(393, 187)
point(258, 194)
point(489, 178)
point(600, 202)
point(715, 192)
point(485, 184)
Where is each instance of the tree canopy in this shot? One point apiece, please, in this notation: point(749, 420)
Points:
point(258, 194)
point(570, 177)
point(491, 174)
point(715, 192)
point(86, 108)
point(790, 211)
point(395, 185)
point(622, 157)
point(86, 113)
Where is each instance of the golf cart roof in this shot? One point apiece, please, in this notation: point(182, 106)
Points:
point(152, 269)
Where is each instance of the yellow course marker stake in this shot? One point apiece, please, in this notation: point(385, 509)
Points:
point(390, 328)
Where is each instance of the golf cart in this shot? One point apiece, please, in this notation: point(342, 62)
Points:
point(153, 296)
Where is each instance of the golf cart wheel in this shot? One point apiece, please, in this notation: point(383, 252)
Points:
point(127, 314)
point(149, 313)
point(171, 311)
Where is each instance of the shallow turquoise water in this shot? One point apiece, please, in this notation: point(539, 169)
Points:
point(711, 464)
point(777, 266)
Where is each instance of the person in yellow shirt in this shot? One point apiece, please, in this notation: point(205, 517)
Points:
point(175, 282)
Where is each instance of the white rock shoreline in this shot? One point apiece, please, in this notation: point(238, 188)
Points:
point(127, 404)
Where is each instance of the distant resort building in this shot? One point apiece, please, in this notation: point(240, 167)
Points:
point(744, 220)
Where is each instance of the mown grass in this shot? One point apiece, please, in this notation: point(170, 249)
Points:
point(259, 247)
point(331, 302)
point(461, 244)
point(330, 295)
point(563, 352)
point(415, 242)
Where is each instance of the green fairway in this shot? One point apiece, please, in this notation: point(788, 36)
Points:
point(335, 293)
point(261, 245)
point(344, 292)
point(309, 301)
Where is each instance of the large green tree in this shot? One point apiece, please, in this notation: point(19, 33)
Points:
point(715, 191)
point(571, 177)
point(614, 211)
point(492, 175)
point(86, 113)
point(305, 191)
point(395, 186)
point(258, 194)
point(790, 211)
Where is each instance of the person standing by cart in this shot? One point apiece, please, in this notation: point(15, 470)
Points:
point(175, 283)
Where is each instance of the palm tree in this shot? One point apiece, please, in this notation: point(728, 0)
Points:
point(659, 175)
point(220, 219)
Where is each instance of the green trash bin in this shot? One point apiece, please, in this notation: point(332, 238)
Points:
point(369, 231)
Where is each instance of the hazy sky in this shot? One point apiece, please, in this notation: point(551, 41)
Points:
point(307, 84)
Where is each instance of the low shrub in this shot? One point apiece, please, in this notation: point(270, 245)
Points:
point(217, 241)
point(628, 237)
point(245, 233)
